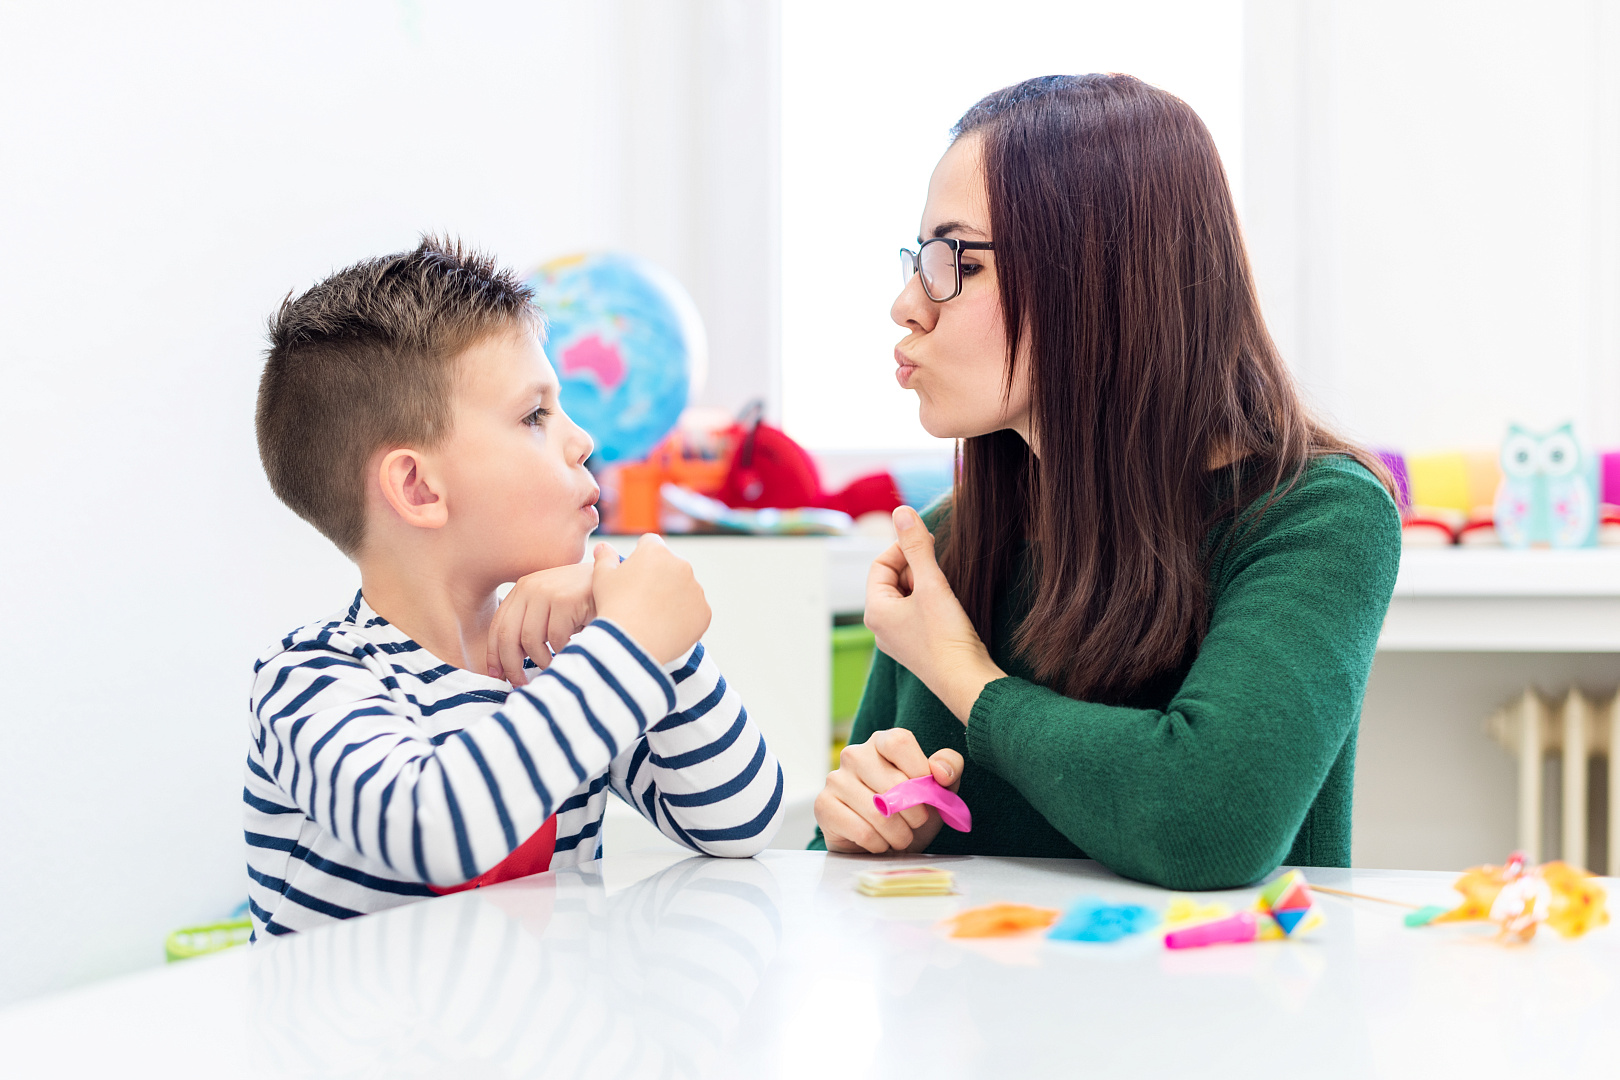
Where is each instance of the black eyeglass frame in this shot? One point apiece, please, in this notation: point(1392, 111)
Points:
point(957, 247)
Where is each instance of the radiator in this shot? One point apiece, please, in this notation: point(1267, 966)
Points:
point(1559, 746)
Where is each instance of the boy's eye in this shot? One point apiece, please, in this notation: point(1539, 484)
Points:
point(538, 417)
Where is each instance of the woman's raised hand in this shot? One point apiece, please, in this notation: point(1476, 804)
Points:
point(920, 624)
point(848, 818)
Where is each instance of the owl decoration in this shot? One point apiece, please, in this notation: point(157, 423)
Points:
point(1549, 494)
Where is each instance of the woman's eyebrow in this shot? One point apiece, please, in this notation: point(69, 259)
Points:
point(945, 228)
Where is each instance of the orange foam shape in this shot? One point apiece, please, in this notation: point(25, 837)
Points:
point(1001, 920)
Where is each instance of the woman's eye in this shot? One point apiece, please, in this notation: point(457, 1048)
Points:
point(969, 269)
point(538, 417)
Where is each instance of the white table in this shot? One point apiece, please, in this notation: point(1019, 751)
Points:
point(649, 965)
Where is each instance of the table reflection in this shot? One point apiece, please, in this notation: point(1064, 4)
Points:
point(548, 976)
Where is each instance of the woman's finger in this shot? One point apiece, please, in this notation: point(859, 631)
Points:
point(916, 543)
point(855, 793)
point(896, 758)
point(947, 766)
point(899, 747)
point(883, 577)
point(845, 830)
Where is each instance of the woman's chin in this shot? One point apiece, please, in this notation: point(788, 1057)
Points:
point(948, 427)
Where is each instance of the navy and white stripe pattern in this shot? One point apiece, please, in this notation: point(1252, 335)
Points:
point(375, 769)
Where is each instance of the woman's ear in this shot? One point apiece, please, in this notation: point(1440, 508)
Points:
point(403, 476)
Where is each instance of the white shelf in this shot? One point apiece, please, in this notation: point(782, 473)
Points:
point(1499, 600)
point(1500, 572)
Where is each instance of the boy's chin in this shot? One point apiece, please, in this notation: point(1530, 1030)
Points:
point(554, 555)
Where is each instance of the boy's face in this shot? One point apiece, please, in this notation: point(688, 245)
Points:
point(517, 491)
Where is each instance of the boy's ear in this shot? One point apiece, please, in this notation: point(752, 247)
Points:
point(402, 474)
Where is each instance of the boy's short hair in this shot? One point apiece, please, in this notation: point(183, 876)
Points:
point(364, 360)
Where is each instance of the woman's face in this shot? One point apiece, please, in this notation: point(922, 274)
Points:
point(954, 354)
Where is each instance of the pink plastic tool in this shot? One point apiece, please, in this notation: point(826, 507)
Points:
point(1232, 930)
point(925, 789)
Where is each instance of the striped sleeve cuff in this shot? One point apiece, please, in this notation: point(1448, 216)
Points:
point(615, 658)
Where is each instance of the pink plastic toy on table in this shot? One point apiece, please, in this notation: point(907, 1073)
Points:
point(925, 789)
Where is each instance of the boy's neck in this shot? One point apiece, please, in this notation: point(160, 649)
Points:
point(448, 618)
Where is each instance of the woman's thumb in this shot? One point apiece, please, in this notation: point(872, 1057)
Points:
point(916, 541)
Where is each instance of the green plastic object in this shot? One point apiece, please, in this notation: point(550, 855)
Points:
point(852, 648)
point(851, 661)
point(202, 940)
point(1425, 916)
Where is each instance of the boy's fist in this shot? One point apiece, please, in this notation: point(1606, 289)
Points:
point(653, 596)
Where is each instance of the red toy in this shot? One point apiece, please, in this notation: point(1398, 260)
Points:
point(771, 470)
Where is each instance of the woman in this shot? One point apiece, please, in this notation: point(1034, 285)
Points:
point(1159, 582)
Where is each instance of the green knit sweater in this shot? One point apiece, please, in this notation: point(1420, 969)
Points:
point(1211, 777)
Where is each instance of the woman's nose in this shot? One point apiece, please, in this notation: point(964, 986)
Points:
point(912, 309)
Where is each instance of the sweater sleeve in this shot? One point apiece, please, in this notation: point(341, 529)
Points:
point(1210, 792)
point(353, 758)
point(703, 774)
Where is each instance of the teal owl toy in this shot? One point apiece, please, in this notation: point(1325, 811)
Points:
point(1549, 491)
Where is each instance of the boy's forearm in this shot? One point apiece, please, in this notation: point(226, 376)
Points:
point(369, 775)
point(708, 779)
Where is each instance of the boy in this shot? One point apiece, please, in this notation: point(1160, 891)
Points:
point(427, 739)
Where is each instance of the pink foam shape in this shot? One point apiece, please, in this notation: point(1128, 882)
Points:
point(925, 789)
point(1234, 929)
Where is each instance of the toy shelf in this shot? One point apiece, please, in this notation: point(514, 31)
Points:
point(1499, 600)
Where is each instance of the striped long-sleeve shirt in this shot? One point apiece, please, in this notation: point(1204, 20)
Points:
point(376, 770)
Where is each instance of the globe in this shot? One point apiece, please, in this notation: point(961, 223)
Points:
point(627, 344)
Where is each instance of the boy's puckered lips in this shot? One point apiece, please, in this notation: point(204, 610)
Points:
point(588, 507)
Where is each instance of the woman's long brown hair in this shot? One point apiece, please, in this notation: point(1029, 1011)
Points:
point(1125, 283)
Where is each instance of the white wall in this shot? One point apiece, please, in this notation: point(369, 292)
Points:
point(1433, 206)
point(170, 171)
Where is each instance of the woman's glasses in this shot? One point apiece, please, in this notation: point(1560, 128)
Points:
point(939, 261)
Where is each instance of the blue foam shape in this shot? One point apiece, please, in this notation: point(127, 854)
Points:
point(1093, 919)
point(1289, 919)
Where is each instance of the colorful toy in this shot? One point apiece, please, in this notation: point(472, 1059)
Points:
point(925, 789)
point(1519, 898)
point(771, 471)
point(807, 521)
point(1185, 911)
point(1285, 909)
point(1093, 919)
point(906, 881)
point(1000, 920)
point(1549, 491)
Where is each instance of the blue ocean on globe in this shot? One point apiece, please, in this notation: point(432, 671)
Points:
point(627, 344)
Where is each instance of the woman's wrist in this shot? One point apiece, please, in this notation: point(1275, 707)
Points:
point(962, 678)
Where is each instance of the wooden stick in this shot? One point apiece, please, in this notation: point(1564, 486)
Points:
point(1359, 896)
